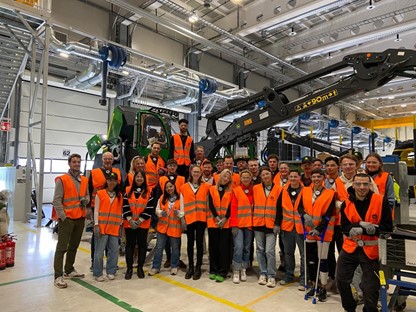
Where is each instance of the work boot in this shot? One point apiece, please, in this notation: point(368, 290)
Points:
point(322, 296)
point(190, 272)
point(129, 273)
point(140, 272)
point(197, 273)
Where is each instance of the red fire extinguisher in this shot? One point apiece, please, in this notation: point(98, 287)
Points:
point(10, 252)
point(2, 255)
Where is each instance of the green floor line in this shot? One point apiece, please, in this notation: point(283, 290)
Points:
point(106, 295)
point(25, 279)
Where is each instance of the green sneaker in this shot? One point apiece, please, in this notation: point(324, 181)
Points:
point(219, 279)
point(212, 277)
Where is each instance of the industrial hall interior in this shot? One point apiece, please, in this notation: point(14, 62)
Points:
point(208, 155)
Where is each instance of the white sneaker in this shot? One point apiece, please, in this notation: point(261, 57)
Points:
point(99, 278)
point(173, 271)
point(243, 275)
point(153, 271)
point(236, 277)
point(262, 280)
point(111, 277)
point(271, 282)
point(60, 282)
point(73, 274)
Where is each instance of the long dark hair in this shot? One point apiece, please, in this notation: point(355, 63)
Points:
point(166, 195)
point(117, 189)
point(135, 186)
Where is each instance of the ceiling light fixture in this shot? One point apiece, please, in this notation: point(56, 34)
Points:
point(370, 6)
point(398, 39)
point(292, 32)
point(125, 73)
point(64, 54)
point(193, 18)
point(403, 105)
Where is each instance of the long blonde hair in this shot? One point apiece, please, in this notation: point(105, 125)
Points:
point(223, 173)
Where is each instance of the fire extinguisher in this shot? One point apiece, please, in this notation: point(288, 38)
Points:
point(2, 255)
point(10, 252)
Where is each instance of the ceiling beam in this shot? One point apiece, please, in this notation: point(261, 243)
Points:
point(389, 123)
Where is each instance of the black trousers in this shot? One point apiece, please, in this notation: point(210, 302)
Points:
point(370, 284)
point(195, 231)
point(136, 237)
point(337, 241)
point(312, 258)
point(219, 251)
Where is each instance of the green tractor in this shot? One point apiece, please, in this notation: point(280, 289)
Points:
point(131, 133)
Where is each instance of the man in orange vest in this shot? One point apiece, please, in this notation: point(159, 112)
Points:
point(97, 181)
point(229, 164)
point(364, 215)
point(182, 149)
point(70, 200)
point(153, 162)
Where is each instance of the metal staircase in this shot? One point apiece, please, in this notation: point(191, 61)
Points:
point(15, 45)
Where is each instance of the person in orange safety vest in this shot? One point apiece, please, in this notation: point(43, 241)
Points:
point(70, 199)
point(153, 162)
point(364, 215)
point(107, 224)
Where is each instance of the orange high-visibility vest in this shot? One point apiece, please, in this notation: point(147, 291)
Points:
point(244, 208)
point(381, 180)
point(152, 176)
point(130, 177)
point(182, 153)
point(195, 204)
point(235, 177)
point(170, 225)
point(99, 180)
point(291, 217)
point(264, 213)
point(137, 206)
point(221, 207)
point(318, 209)
point(109, 214)
point(179, 181)
point(70, 201)
point(373, 216)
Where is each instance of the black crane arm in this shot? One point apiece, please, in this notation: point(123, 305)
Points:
point(370, 71)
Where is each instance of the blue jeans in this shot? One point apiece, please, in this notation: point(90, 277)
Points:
point(266, 253)
point(290, 240)
point(160, 246)
point(102, 243)
point(242, 246)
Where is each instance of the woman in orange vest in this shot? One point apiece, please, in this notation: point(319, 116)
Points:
point(318, 210)
point(241, 222)
point(219, 232)
point(291, 227)
point(194, 209)
point(265, 226)
point(168, 228)
point(107, 222)
point(383, 180)
point(136, 164)
point(138, 207)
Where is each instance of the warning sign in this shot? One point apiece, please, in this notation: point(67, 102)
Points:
point(5, 126)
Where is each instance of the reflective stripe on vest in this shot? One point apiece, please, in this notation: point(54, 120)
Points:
point(291, 218)
point(137, 206)
point(221, 207)
point(373, 215)
point(318, 209)
point(244, 208)
point(195, 204)
point(182, 153)
point(152, 176)
point(170, 225)
point(109, 214)
point(264, 213)
point(71, 199)
point(99, 180)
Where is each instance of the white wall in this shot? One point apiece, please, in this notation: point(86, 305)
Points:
point(216, 67)
point(72, 119)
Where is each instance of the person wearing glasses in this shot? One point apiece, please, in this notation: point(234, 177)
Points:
point(364, 215)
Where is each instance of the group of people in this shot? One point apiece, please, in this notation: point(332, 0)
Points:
point(319, 210)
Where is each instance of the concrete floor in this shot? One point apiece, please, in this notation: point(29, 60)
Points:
point(29, 285)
